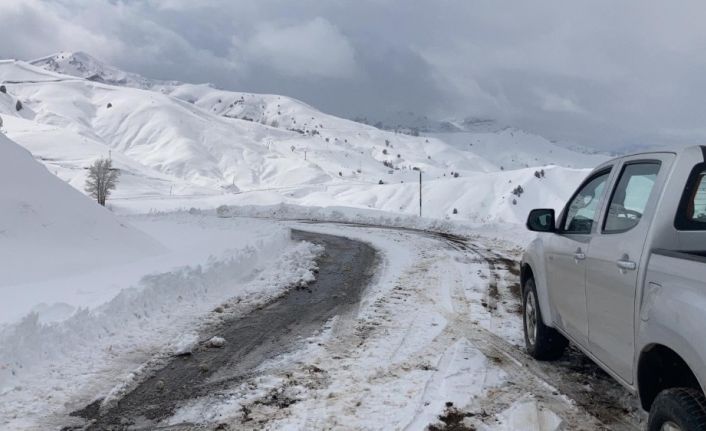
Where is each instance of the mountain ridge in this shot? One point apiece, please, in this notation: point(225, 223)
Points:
point(178, 140)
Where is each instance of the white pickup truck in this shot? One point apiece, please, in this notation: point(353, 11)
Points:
point(621, 273)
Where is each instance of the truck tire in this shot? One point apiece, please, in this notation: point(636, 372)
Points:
point(542, 342)
point(678, 409)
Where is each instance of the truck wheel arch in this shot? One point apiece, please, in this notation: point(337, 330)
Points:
point(660, 368)
point(525, 274)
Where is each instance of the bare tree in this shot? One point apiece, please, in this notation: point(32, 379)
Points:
point(102, 179)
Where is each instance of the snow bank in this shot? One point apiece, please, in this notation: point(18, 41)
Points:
point(513, 233)
point(48, 229)
point(98, 348)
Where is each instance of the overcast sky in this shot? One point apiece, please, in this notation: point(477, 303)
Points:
point(599, 73)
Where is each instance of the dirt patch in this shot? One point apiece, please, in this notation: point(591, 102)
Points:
point(452, 420)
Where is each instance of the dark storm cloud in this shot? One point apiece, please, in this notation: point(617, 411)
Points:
point(599, 73)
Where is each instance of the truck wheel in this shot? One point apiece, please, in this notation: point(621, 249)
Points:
point(543, 343)
point(678, 409)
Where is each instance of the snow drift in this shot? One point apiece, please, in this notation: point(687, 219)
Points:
point(47, 228)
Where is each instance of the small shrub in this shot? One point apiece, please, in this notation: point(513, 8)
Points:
point(3, 89)
point(456, 174)
point(381, 182)
point(455, 211)
point(18, 106)
point(109, 105)
point(384, 151)
point(223, 211)
point(340, 174)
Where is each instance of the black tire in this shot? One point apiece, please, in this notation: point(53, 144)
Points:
point(683, 407)
point(548, 344)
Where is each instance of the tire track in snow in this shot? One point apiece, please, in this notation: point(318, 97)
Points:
point(586, 385)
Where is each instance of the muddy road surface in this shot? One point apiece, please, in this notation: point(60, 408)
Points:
point(345, 269)
point(387, 361)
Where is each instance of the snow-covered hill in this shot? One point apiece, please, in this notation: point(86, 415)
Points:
point(181, 143)
point(82, 65)
point(511, 148)
point(47, 228)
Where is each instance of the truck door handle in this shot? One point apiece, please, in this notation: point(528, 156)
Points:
point(627, 265)
point(579, 255)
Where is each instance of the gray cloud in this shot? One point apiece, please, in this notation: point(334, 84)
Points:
point(601, 73)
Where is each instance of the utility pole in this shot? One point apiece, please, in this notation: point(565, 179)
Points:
point(420, 193)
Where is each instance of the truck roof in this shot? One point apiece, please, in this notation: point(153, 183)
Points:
point(697, 152)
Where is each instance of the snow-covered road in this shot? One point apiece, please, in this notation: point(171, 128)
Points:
point(433, 344)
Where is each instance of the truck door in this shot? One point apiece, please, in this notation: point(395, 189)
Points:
point(566, 257)
point(613, 264)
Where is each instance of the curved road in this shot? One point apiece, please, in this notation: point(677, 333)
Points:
point(345, 269)
point(262, 334)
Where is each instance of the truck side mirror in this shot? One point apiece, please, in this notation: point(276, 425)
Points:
point(541, 220)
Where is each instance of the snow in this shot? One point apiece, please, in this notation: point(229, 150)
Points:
point(121, 321)
point(182, 145)
point(529, 415)
point(184, 343)
point(410, 351)
point(48, 229)
point(515, 149)
point(83, 65)
point(216, 342)
point(212, 181)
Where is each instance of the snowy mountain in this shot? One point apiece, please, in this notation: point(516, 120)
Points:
point(511, 148)
point(82, 65)
point(178, 143)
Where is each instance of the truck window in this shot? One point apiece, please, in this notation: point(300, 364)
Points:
point(691, 214)
point(630, 197)
point(583, 208)
point(696, 210)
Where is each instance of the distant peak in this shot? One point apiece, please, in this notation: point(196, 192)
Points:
point(68, 56)
point(84, 65)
